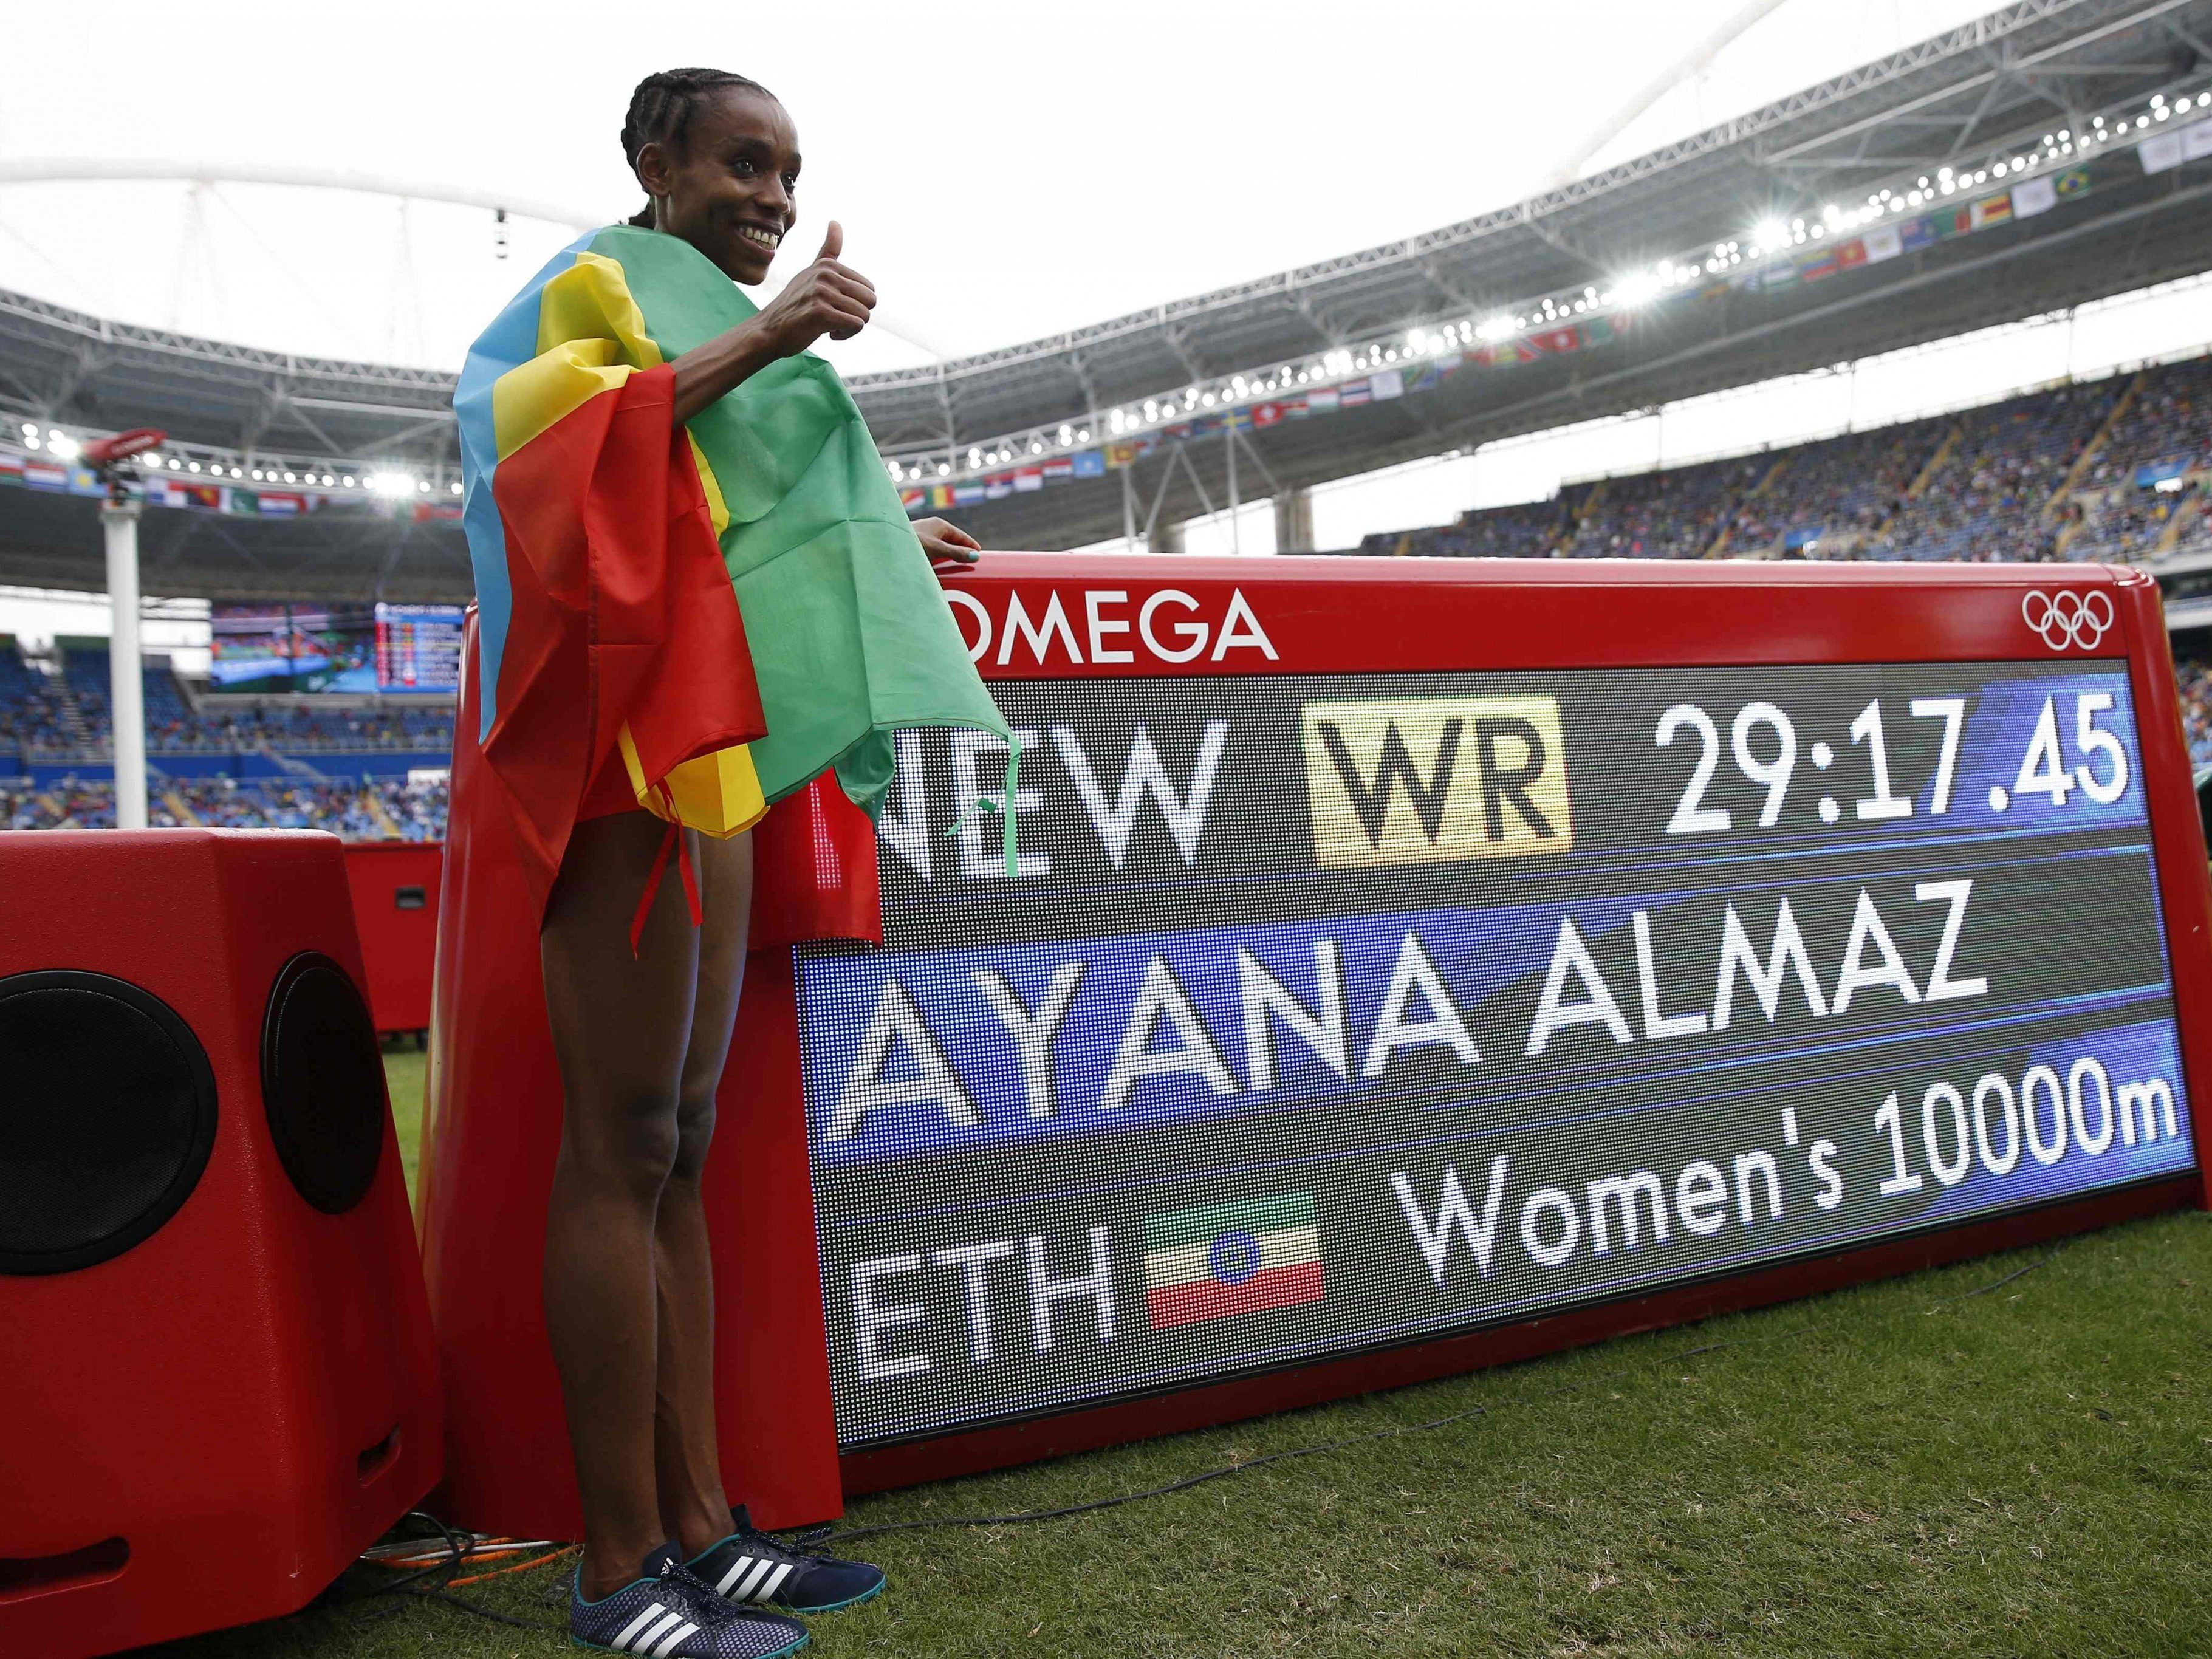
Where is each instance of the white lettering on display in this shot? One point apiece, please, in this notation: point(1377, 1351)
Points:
point(1413, 971)
point(898, 1025)
point(977, 1264)
point(1264, 996)
point(1113, 813)
point(1145, 774)
point(972, 1259)
point(1623, 1191)
point(1097, 1286)
point(1417, 1010)
point(1737, 957)
point(1656, 1024)
point(1162, 998)
point(1941, 988)
point(1030, 631)
point(870, 1321)
point(1598, 1007)
point(1866, 929)
point(907, 829)
point(1455, 1217)
point(2089, 1114)
point(1033, 1033)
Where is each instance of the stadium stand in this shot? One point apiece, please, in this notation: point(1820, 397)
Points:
point(1984, 495)
point(30, 712)
point(2144, 490)
point(64, 715)
point(357, 811)
point(1672, 514)
point(1831, 495)
point(2068, 473)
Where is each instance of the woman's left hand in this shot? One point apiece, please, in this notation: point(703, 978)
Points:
point(947, 543)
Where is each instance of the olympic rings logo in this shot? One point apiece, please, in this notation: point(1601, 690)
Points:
point(2062, 619)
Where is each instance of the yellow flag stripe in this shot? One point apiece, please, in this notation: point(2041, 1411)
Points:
point(718, 794)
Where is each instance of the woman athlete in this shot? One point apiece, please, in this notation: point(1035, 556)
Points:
point(641, 1002)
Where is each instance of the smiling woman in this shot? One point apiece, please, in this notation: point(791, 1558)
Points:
point(698, 593)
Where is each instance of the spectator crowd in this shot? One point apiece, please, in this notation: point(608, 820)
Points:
point(370, 809)
point(2111, 470)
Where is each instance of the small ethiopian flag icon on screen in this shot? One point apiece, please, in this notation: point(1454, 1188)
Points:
point(1231, 1259)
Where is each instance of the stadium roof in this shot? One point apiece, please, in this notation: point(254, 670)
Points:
point(1999, 91)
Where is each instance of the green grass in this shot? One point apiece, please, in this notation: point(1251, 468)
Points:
point(1881, 1471)
point(405, 1068)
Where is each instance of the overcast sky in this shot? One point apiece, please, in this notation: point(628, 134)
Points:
point(1001, 171)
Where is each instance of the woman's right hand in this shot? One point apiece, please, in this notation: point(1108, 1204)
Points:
point(825, 298)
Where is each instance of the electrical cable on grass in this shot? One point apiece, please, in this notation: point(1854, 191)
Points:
point(435, 1582)
point(820, 1536)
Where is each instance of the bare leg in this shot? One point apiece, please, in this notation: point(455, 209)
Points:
point(687, 1458)
point(621, 1028)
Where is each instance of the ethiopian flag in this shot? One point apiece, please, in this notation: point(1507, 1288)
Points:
point(1231, 1259)
point(732, 607)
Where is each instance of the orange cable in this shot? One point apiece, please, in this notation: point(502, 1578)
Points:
point(525, 1566)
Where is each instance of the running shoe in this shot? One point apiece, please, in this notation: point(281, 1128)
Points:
point(749, 1565)
point(670, 1613)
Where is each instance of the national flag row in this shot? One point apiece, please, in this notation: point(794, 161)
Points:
point(1810, 264)
point(1379, 385)
point(1912, 233)
point(36, 472)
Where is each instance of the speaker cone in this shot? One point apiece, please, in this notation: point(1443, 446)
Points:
point(107, 1116)
point(322, 1080)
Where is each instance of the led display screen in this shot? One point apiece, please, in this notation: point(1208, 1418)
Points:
point(354, 650)
point(1324, 1014)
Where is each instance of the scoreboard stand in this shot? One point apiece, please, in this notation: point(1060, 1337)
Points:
point(1408, 966)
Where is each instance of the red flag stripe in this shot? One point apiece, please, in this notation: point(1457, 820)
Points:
point(1209, 1298)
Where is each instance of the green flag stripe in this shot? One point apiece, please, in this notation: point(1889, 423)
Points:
point(1256, 1215)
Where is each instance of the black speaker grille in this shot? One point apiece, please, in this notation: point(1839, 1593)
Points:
point(323, 1082)
point(107, 1115)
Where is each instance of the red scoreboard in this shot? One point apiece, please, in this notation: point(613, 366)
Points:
point(1407, 966)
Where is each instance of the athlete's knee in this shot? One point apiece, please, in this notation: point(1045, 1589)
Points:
point(695, 1135)
point(630, 1141)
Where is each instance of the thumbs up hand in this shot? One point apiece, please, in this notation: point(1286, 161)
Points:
point(826, 298)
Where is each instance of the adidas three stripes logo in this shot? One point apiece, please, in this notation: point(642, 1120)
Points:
point(761, 1578)
point(655, 1632)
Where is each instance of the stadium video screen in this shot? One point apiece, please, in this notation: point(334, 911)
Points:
point(356, 649)
point(1331, 1013)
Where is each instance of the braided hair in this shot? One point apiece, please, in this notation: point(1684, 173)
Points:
point(661, 109)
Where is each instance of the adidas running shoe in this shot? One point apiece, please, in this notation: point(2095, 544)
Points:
point(751, 1566)
point(670, 1613)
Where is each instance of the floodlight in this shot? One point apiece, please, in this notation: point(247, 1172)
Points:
point(63, 447)
point(1635, 290)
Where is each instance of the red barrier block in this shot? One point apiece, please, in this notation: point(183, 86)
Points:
point(220, 1384)
point(395, 905)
